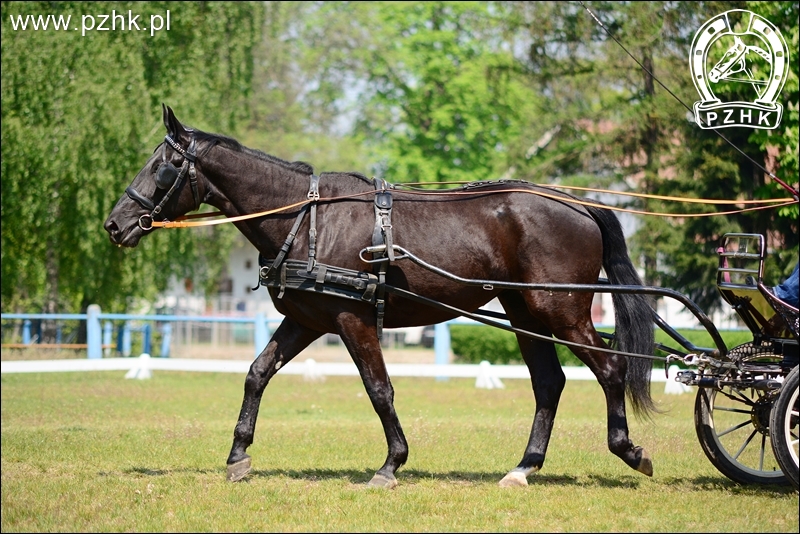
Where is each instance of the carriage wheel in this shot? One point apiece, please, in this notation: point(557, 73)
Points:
point(732, 425)
point(783, 427)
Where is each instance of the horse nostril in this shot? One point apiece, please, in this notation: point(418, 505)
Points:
point(111, 227)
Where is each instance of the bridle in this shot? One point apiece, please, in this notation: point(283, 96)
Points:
point(170, 178)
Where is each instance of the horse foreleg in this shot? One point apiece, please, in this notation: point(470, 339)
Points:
point(289, 339)
point(547, 380)
point(364, 347)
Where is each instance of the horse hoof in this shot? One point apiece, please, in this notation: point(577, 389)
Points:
point(239, 470)
point(381, 481)
point(645, 464)
point(514, 479)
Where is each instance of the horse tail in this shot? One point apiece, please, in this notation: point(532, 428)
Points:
point(632, 313)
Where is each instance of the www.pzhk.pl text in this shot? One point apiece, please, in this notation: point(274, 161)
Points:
point(98, 23)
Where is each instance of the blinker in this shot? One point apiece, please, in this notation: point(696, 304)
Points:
point(166, 175)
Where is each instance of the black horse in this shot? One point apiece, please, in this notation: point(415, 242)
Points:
point(497, 231)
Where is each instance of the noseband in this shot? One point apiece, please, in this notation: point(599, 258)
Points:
point(170, 178)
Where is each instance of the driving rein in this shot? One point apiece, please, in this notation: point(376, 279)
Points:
point(169, 178)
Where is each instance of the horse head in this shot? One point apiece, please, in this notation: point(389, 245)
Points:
point(732, 61)
point(165, 188)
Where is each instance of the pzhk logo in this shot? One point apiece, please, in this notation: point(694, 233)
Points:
point(755, 57)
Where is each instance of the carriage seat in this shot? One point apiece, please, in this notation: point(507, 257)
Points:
point(739, 281)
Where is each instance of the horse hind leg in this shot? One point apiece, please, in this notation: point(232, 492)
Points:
point(364, 347)
point(289, 339)
point(547, 381)
point(610, 370)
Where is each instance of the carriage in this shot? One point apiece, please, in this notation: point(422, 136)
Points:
point(341, 253)
point(747, 395)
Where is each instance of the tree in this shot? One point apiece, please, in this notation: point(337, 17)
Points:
point(80, 115)
point(627, 131)
point(438, 104)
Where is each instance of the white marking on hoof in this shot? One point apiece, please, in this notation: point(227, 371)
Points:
point(239, 470)
point(646, 465)
point(381, 481)
point(514, 479)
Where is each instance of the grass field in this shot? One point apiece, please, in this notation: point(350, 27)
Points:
point(94, 452)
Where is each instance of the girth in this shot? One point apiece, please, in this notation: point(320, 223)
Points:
point(327, 279)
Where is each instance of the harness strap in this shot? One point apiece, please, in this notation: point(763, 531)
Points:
point(313, 196)
point(382, 235)
point(193, 183)
point(188, 165)
point(190, 155)
point(265, 271)
point(325, 279)
point(175, 185)
point(283, 281)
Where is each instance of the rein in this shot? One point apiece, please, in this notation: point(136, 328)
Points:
point(185, 222)
point(622, 193)
point(168, 176)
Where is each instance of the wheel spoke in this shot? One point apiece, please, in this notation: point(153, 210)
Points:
point(761, 456)
point(745, 444)
point(733, 410)
point(736, 427)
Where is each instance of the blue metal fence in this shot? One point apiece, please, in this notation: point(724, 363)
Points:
point(99, 337)
point(100, 331)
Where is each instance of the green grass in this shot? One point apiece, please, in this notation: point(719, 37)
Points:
point(94, 452)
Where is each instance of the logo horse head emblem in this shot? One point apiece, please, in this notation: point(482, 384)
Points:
point(756, 55)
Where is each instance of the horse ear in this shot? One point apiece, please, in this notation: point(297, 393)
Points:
point(173, 125)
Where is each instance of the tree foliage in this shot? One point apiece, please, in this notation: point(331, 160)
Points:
point(80, 115)
point(618, 126)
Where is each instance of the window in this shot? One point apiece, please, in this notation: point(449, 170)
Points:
point(226, 286)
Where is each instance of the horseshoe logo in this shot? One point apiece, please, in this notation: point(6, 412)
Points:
point(761, 45)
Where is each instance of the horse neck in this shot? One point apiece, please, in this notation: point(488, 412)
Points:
point(243, 184)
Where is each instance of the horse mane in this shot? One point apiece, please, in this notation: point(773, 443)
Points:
point(298, 166)
point(353, 174)
point(233, 144)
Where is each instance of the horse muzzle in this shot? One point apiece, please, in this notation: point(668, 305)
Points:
point(123, 237)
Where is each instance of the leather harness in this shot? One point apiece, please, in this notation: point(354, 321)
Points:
point(316, 277)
